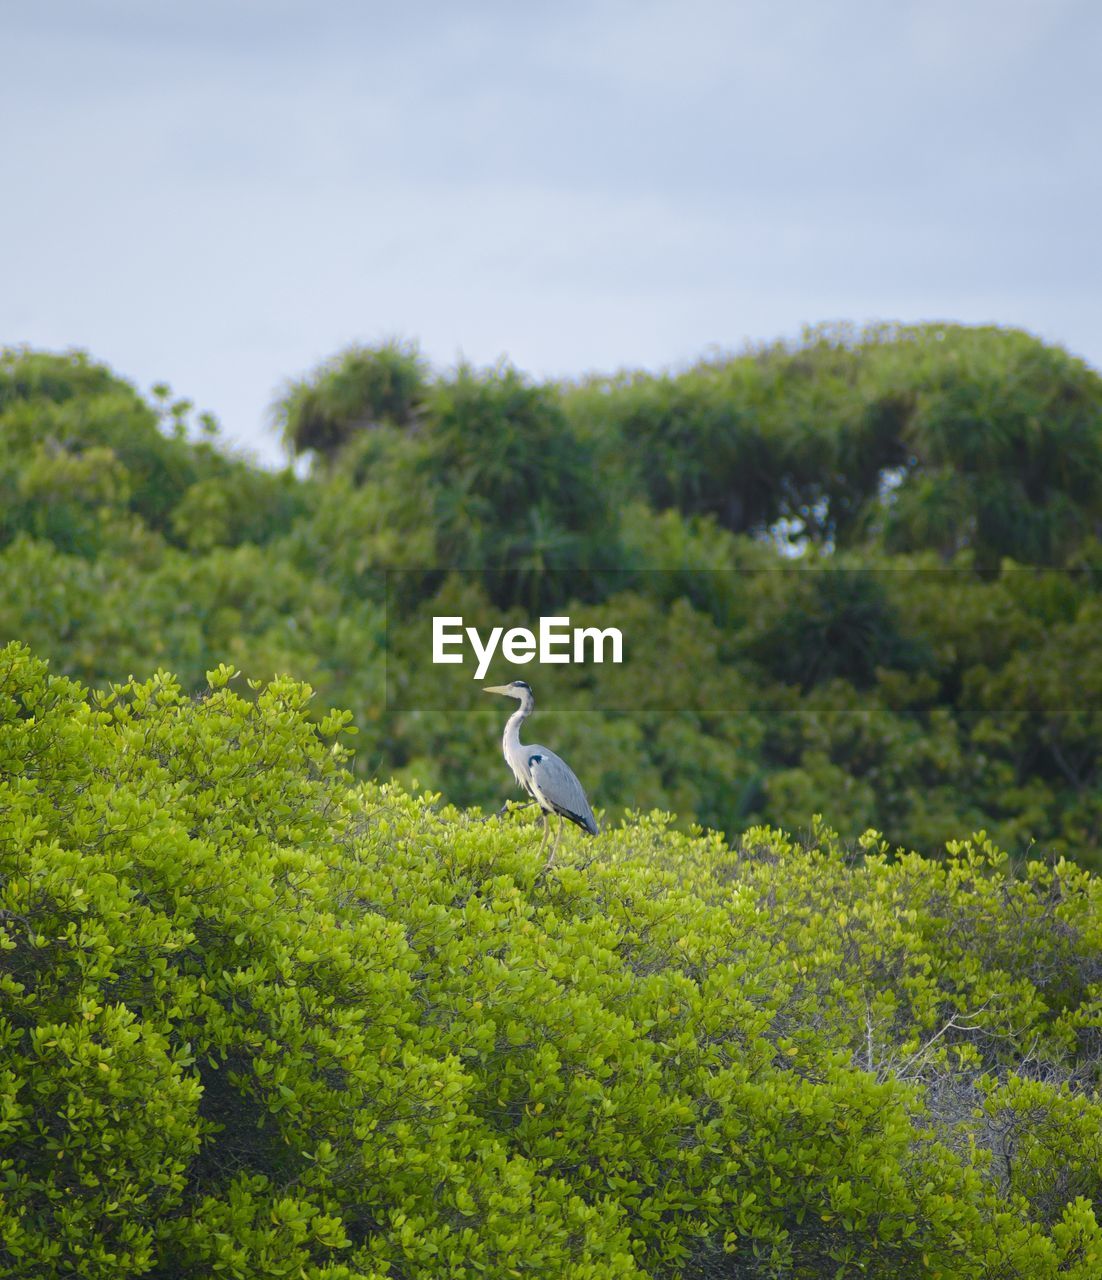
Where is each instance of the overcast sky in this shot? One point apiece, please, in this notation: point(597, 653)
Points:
point(220, 195)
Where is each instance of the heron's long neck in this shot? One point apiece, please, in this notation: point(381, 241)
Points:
point(510, 739)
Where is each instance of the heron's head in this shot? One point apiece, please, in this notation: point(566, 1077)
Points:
point(519, 689)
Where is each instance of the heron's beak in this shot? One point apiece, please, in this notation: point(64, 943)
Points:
point(497, 688)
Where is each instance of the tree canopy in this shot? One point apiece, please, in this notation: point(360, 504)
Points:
point(862, 567)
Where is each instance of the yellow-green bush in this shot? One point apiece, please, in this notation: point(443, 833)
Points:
point(261, 1020)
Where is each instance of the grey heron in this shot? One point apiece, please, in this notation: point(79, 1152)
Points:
point(549, 780)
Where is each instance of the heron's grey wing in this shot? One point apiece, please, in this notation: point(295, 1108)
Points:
point(556, 786)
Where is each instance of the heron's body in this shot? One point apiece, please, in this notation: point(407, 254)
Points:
point(546, 777)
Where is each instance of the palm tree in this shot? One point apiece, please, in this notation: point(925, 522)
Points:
point(358, 389)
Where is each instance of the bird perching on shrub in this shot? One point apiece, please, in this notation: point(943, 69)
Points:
point(549, 780)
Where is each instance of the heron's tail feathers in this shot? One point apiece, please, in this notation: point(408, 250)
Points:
point(586, 821)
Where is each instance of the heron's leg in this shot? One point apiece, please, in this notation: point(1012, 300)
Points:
point(546, 830)
point(555, 846)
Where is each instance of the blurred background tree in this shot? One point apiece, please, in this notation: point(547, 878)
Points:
point(859, 573)
point(357, 390)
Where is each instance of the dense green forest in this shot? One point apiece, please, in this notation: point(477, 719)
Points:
point(280, 998)
point(859, 574)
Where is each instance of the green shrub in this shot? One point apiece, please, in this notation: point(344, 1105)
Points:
point(261, 1020)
